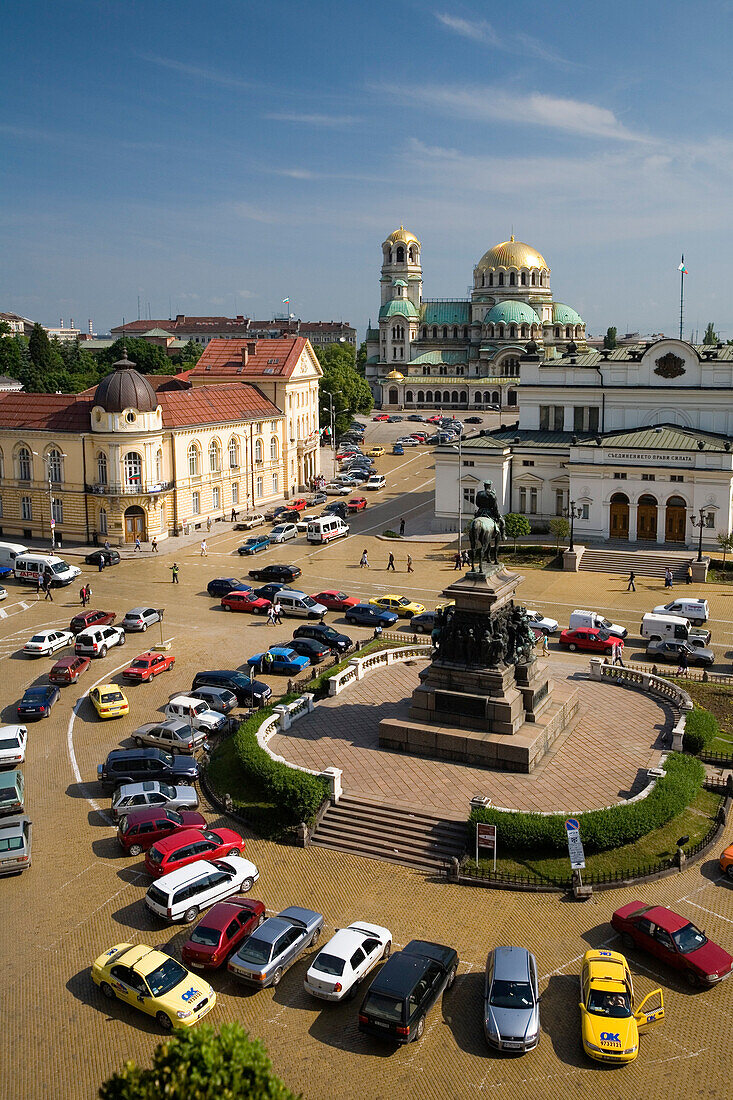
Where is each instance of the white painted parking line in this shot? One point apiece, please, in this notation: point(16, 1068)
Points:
point(711, 912)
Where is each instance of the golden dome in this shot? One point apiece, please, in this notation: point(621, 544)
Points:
point(395, 376)
point(512, 253)
point(403, 235)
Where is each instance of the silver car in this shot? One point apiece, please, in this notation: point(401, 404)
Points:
point(511, 1000)
point(174, 735)
point(140, 618)
point(267, 953)
point(15, 844)
point(218, 699)
point(152, 793)
point(283, 531)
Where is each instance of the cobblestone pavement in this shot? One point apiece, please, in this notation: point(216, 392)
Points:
point(81, 895)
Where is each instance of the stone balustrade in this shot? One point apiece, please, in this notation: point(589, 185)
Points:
point(282, 719)
point(653, 685)
point(359, 666)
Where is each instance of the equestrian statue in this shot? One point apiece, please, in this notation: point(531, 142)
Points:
point(486, 530)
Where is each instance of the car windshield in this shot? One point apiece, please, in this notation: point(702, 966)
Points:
point(166, 977)
point(385, 1007)
point(603, 635)
point(329, 964)
point(255, 951)
point(511, 994)
point(9, 743)
point(208, 937)
point(112, 697)
point(403, 602)
point(688, 939)
point(609, 1004)
point(174, 817)
point(606, 624)
point(8, 794)
point(60, 567)
point(11, 844)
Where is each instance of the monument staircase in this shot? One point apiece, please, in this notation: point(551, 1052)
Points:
point(394, 833)
point(644, 562)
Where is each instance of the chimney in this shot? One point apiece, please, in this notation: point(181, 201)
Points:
point(91, 329)
point(71, 322)
point(251, 347)
point(245, 354)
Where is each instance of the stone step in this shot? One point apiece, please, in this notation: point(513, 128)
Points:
point(372, 832)
point(644, 565)
point(357, 848)
point(407, 817)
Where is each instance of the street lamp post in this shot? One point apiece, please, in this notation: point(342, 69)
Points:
point(459, 449)
point(50, 495)
point(572, 512)
point(330, 397)
point(699, 523)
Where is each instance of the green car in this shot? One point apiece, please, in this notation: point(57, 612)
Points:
point(12, 792)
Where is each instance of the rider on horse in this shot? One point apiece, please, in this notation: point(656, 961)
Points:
point(487, 526)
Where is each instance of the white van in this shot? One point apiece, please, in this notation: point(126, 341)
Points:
point(9, 551)
point(697, 611)
point(29, 565)
point(376, 481)
point(656, 628)
point(326, 528)
point(195, 712)
point(592, 618)
point(293, 602)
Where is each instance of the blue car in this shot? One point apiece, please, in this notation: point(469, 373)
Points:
point(254, 544)
point(283, 659)
point(398, 449)
point(222, 586)
point(369, 615)
point(37, 701)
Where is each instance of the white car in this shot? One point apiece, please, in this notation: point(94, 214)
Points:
point(542, 622)
point(302, 524)
point(348, 956)
point(46, 642)
point(254, 519)
point(3, 593)
point(283, 532)
point(13, 740)
point(96, 640)
point(336, 489)
point(376, 481)
point(181, 895)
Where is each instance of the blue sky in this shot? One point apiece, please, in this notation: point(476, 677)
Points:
point(221, 156)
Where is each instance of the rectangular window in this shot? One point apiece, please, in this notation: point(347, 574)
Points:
point(578, 424)
point(57, 510)
point(26, 508)
point(235, 492)
point(102, 521)
point(544, 418)
point(259, 487)
point(258, 427)
point(648, 477)
point(585, 418)
point(593, 419)
point(586, 511)
point(676, 477)
point(1, 507)
point(273, 425)
point(533, 502)
point(196, 504)
point(522, 500)
point(528, 462)
point(619, 476)
point(275, 483)
point(469, 495)
point(559, 501)
point(216, 497)
point(468, 462)
point(559, 418)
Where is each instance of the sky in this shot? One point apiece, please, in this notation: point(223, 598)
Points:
point(215, 158)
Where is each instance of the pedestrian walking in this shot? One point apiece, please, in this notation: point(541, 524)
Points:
point(402, 526)
point(83, 595)
point(688, 574)
point(101, 563)
point(271, 615)
point(174, 572)
point(208, 523)
point(544, 645)
point(631, 587)
point(409, 564)
point(390, 564)
point(364, 561)
point(138, 545)
point(667, 577)
point(204, 549)
point(278, 613)
point(682, 666)
point(39, 586)
point(457, 561)
point(616, 658)
point(234, 516)
point(89, 591)
point(154, 544)
point(47, 587)
point(465, 558)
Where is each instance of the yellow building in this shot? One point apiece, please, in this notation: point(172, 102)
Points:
point(141, 457)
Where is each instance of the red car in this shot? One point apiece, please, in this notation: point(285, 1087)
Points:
point(590, 639)
point(356, 504)
point(218, 933)
point(139, 829)
point(148, 665)
point(335, 600)
point(298, 504)
point(434, 420)
point(176, 851)
point(68, 670)
point(85, 619)
point(422, 436)
point(381, 416)
point(245, 601)
point(673, 939)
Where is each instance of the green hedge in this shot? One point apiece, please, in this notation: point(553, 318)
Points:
point(600, 830)
point(701, 729)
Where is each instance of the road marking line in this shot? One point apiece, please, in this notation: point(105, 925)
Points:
point(3, 614)
point(24, 605)
point(711, 912)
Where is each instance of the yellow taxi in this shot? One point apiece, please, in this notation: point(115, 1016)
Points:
point(109, 701)
point(376, 452)
point(399, 604)
point(154, 983)
point(610, 1024)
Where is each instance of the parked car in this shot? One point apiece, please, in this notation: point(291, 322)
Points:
point(397, 449)
point(672, 652)
point(152, 793)
point(368, 615)
point(405, 989)
point(12, 792)
point(254, 519)
point(148, 665)
point(222, 586)
point(380, 416)
point(140, 618)
point(220, 931)
point(321, 632)
point(337, 508)
point(298, 504)
point(109, 557)
point(269, 591)
point(511, 1000)
point(376, 452)
point(16, 835)
point(674, 940)
point(590, 640)
point(248, 602)
point(283, 532)
point(37, 701)
point(609, 1020)
point(416, 417)
point(174, 735)
point(195, 712)
point(314, 651)
point(347, 958)
point(303, 520)
point(109, 701)
point(154, 983)
point(543, 623)
point(282, 659)
point(276, 572)
point(580, 618)
point(67, 670)
point(271, 515)
point(254, 544)
point(137, 830)
point(248, 692)
point(335, 600)
point(264, 957)
point(182, 894)
point(356, 504)
point(317, 499)
point(95, 641)
point(13, 741)
point(401, 606)
point(91, 618)
point(46, 642)
point(217, 698)
point(473, 419)
point(338, 489)
point(424, 622)
point(181, 849)
point(124, 766)
point(376, 481)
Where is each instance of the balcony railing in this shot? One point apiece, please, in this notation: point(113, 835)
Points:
point(113, 490)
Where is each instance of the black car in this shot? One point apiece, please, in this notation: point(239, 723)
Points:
point(249, 693)
point(315, 651)
point(37, 701)
point(473, 419)
point(110, 557)
point(137, 765)
point(290, 515)
point(269, 591)
point(424, 622)
point(222, 586)
point(405, 989)
point(395, 419)
point(337, 643)
point(276, 572)
point(337, 508)
point(272, 514)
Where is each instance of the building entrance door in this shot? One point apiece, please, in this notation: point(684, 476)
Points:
point(619, 521)
point(675, 520)
point(135, 524)
point(646, 519)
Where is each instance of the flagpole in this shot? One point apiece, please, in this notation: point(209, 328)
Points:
point(682, 291)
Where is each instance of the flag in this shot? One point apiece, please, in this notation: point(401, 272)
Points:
point(682, 267)
point(286, 301)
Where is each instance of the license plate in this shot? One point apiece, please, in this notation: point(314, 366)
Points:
point(379, 1023)
point(197, 966)
point(512, 1046)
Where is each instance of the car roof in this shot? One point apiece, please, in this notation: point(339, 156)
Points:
point(400, 974)
point(115, 687)
point(295, 912)
point(148, 813)
point(177, 839)
point(135, 611)
point(283, 650)
point(144, 786)
point(220, 914)
point(346, 940)
point(512, 964)
point(124, 754)
point(14, 826)
point(666, 918)
point(190, 873)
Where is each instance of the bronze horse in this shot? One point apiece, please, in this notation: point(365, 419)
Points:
point(485, 535)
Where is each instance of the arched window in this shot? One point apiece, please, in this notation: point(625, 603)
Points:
point(133, 467)
point(483, 280)
point(446, 397)
point(102, 468)
point(25, 464)
point(233, 453)
point(511, 397)
point(534, 279)
point(445, 332)
point(429, 397)
point(500, 331)
point(102, 521)
point(55, 472)
point(258, 450)
point(158, 466)
point(274, 448)
point(465, 332)
point(491, 278)
point(435, 332)
point(455, 332)
point(214, 456)
point(411, 254)
point(569, 332)
point(194, 465)
point(494, 397)
point(525, 330)
point(558, 332)
point(524, 278)
point(420, 397)
point(408, 396)
point(454, 397)
point(512, 279)
point(501, 278)
point(400, 255)
point(513, 331)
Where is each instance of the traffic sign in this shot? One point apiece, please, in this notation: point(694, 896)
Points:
point(486, 838)
point(575, 844)
point(572, 823)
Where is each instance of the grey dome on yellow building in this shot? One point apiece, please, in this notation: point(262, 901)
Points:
point(512, 253)
point(125, 388)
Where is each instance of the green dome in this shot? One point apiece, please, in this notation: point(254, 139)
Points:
point(511, 313)
point(399, 282)
point(565, 315)
point(398, 307)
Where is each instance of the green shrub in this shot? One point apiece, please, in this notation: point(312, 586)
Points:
point(701, 729)
point(600, 829)
point(390, 534)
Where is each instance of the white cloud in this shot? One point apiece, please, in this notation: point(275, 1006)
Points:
point(215, 76)
point(312, 119)
point(479, 30)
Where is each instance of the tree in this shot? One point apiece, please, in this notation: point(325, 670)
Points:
point(725, 542)
point(189, 356)
point(361, 358)
point(516, 526)
point(560, 529)
point(147, 357)
point(351, 393)
point(711, 336)
point(203, 1064)
point(44, 355)
point(609, 340)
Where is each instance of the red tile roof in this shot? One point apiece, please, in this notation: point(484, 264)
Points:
point(222, 404)
point(269, 358)
point(52, 412)
point(234, 326)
